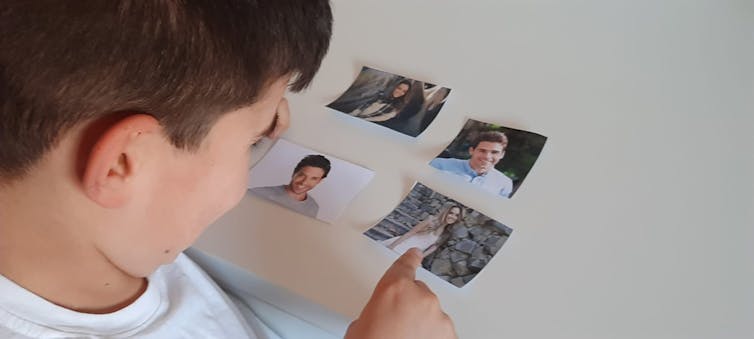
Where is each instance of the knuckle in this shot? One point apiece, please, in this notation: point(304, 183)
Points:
point(432, 301)
point(447, 320)
point(393, 287)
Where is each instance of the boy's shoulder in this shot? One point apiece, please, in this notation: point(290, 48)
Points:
point(178, 295)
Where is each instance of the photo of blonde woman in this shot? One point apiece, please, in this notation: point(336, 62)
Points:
point(457, 241)
point(384, 106)
point(427, 234)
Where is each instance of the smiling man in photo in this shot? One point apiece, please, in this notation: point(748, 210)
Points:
point(486, 151)
point(308, 173)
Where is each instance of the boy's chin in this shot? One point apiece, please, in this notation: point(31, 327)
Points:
point(144, 267)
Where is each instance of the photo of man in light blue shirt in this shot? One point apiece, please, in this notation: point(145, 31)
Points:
point(486, 151)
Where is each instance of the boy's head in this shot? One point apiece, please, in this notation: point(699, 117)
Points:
point(129, 122)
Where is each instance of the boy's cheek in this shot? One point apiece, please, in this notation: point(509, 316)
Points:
point(229, 188)
point(215, 190)
point(235, 192)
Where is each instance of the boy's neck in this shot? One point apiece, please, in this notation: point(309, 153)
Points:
point(51, 260)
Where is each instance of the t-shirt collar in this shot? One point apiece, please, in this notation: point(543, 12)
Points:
point(28, 306)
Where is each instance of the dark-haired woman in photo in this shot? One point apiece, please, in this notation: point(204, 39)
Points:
point(426, 234)
point(384, 106)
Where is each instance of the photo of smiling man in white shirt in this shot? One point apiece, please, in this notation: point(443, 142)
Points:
point(486, 151)
point(490, 156)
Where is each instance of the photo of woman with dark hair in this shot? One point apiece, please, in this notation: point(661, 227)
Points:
point(384, 106)
point(393, 101)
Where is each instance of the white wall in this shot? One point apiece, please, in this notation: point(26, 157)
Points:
point(637, 220)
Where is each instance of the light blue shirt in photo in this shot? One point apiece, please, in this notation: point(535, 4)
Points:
point(493, 181)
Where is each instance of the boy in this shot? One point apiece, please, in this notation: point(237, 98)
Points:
point(124, 132)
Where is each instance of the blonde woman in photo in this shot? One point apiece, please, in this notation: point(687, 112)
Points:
point(426, 234)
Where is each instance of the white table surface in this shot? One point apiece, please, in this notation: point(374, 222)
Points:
point(636, 222)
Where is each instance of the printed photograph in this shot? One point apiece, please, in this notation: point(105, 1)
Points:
point(492, 157)
point(458, 242)
point(306, 181)
point(402, 104)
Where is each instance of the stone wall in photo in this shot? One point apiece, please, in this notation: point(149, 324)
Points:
point(471, 246)
point(420, 203)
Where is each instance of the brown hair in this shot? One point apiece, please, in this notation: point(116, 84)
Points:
point(490, 136)
point(184, 62)
point(401, 102)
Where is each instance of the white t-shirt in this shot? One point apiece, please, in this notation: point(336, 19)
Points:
point(180, 301)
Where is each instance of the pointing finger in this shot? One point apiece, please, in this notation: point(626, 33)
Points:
point(405, 267)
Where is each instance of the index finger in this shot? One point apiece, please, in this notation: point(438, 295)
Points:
point(405, 267)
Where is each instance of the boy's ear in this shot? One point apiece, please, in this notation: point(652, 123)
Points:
point(116, 157)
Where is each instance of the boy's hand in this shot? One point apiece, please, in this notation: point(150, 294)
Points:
point(402, 307)
point(282, 119)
